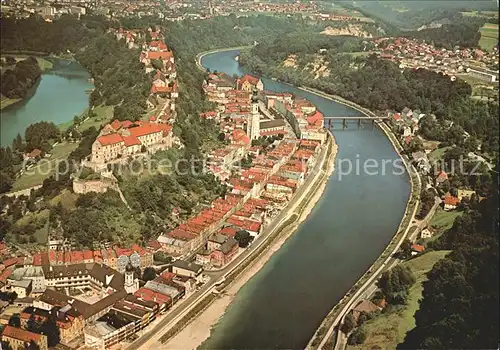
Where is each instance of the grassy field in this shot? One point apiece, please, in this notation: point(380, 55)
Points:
point(66, 198)
point(104, 114)
point(492, 14)
point(45, 167)
point(437, 154)
point(443, 220)
point(489, 36)
point(389, 329)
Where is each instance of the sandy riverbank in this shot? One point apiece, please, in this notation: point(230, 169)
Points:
point(194, 334)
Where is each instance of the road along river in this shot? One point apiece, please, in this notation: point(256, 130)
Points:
point(359, 212)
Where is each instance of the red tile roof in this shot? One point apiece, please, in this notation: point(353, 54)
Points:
point(116, 124)
point(154, 244)
point(110, 139)
point(417, 247)
point(159, 44)
point(160, 89)
point(155, 55)
point(239, 136)
point(10, 262)
point(250, 78)
point(88, 255)
point(131, 140)
point(228, 231)
point(149, 295)
point(20, 334)
point(450, 200)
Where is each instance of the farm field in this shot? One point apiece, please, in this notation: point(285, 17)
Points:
point(489, 36)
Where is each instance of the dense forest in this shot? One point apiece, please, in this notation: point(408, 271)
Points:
point(459, 31)
point(459, 309)
point(16, 82)
point(411, 14)
point(119, 77)
point(36, 35)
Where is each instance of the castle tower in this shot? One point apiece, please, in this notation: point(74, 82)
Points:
point(253, 121)
point(131, 283)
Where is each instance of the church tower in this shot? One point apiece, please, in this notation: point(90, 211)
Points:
point(253, 121)
point(131, 283)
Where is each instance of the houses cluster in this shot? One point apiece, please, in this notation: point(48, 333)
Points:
point(256, 195)
point(24, 273)
point(258, 190)
point(45, 9)
point(94, 295)
point(120, 141)
point(406, 125)
point(305, 119)
point(411, 53)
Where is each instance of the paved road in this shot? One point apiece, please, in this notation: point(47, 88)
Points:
point(421, 224)
point(194, 298)
point(391, 262)
point(340, 341)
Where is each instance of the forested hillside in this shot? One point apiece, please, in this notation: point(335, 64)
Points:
point(119, 77)
point(411, 14)
point(16, 82)
point(378, 84)
point(34, 34)
point(459, 309)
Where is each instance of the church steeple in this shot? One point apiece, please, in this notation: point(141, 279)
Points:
point(253, 121)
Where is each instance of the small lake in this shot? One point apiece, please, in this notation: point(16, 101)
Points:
point(59, 95)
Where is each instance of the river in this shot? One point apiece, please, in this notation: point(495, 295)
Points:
point(358, 214)
point(57, 97)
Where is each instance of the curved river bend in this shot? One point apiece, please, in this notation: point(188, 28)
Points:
point(57, 97)
point(284, 303)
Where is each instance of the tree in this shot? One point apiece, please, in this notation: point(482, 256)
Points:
point(395, 284)
point(404, 250)
point(149, 274)
point(50, 329)
point(243, 237)
point(15, 321)
point(10, 60)
point(349, 324)
point(221, 137)
point(4, 345)
point(357, 337)
point(162, 257)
